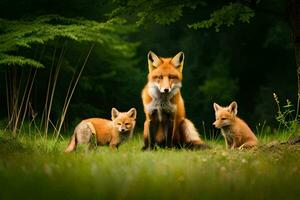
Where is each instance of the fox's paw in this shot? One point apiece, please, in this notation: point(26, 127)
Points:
point(144, 148)
point(147, 148)
point(246, 147)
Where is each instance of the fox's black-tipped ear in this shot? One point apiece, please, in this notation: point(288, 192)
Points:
point(216, 107)
point(114, 113)
point(132, 113)
point(178, 60)
point(153, 61)
point(233, 108)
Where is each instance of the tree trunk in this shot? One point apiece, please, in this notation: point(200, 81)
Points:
point(294, 17)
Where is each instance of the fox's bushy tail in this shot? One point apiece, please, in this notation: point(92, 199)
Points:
point(191, 136)
point(72, 144)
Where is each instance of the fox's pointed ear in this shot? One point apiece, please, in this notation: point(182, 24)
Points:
point(178, 60)
point(216, 107)
point(153, 61)
point(233, 108)
point(132, 113)
point(114, 113)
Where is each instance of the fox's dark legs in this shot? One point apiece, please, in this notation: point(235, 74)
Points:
point(168, 129)
point(149, 139)
point(150, 129)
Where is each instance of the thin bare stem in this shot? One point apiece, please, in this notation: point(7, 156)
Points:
point(45, 111)
point(15, 100)
point(297, 55)
point(7, 95)
point(72, 92)
point(9, 99)
point(28, 97)
point(22, 103)
point(53, 87)
point(53, 125)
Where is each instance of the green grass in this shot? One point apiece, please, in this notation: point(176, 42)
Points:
point(34, 168)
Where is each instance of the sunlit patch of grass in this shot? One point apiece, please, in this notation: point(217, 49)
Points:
point(36, 168)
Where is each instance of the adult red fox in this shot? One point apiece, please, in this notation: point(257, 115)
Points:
point(166, 124)
point(236, 132)
point(112, 132)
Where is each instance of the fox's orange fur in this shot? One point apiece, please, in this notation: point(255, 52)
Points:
point(166, 124)
point(236, 132)
point(108, 132)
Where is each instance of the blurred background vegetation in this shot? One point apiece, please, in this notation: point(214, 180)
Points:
point(234, 50)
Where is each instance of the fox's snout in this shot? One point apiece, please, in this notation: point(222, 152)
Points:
point(165, 90)
point(165, 85)
point(219, 123)
point(122, 129)
point(216, 124)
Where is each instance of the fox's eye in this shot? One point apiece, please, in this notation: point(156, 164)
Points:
point(223, 118)
point(119, 124)
point(127, 124)
point(172, 77)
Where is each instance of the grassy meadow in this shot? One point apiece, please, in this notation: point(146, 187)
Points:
point(36, 168)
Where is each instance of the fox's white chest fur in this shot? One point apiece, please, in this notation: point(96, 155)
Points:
point(161, 101)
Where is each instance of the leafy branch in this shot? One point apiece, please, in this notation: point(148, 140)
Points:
point(226, 16)
point(19, 34)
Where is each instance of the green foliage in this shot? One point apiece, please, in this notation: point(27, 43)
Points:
point(279, 35)
point(23, 34)
point(286, 116)
point(226, 16)
point(155, 11)
point(219, 86)
point(165, 12)
point(174, 13)
point(18, 61)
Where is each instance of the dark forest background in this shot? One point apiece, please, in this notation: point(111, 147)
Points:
point(244, 53)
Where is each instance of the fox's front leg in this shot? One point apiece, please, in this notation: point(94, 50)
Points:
point(229, 141)
point(149, 138)
point(233, 144)
point(113, 146)
point(170, 132)
point(146, 135)
point(150, 129)
point(153, 128)
point(226, 143)
point(226, 140)
point(168, 128)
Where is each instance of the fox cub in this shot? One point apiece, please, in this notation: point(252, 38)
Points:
point(236, 132)
point(112, 132)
